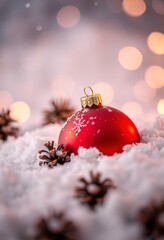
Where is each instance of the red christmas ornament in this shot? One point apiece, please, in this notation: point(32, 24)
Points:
point(103, 127)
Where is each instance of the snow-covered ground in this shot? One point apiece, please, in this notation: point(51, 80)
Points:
point(28, 191)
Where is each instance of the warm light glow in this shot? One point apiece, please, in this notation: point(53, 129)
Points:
point(20, 111)
point(130, 58)
point(5, 100)
point(155, 42)
point(131, 129)
point(158, 6)
point(134, 8)
point(68, 16)
point(133, 110)
point(143, 92)
point(105, 90)
point(154, 76)
point(63, 86)
point(160, 106)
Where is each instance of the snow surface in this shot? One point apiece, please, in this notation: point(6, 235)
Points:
point(28, 191)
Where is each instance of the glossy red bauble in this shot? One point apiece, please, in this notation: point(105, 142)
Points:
point(105, 128)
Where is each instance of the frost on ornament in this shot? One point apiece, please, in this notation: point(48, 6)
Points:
point(79, 123)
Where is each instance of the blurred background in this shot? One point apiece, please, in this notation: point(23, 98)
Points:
point(52, 49)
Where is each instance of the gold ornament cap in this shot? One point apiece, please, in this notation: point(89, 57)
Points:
point(90, 99)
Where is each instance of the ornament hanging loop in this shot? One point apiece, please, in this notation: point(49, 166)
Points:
point(90, 99)
point(89, 88)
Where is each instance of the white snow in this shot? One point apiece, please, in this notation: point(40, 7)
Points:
point(28, 191)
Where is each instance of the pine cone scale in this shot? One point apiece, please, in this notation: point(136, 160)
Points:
point(63, 230)
point(52, 157)
point(93, 191)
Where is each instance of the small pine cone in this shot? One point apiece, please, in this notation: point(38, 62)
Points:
point(93, 191)
point(56, 227)
point(60, 112)
point(6, 128)
point(151, 219)
point(54, 156)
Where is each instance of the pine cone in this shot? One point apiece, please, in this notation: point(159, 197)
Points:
point(93, 191)
point(60, 111)
point(152, 220)
point(56, 227)
point(54, 155)
point(6, 128)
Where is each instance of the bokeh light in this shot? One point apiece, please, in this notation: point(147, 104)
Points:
point(160, 106)
point(95, 4)
point(68, 16)
point(39, 28)
point(27, 5)
point(143, 92)
point(158, 6)
point(63, 86)
point(105, 90)
point(154, 76)
point(130, 58)
point(5, 100)
point(155, 42)
point(20, 111)
point(53, 49)
point(133, 110)
point(134, 8)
